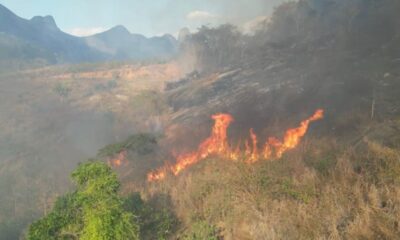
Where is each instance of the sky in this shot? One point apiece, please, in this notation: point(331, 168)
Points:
point(147, 17)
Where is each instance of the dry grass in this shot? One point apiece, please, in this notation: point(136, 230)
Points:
point(294, 198)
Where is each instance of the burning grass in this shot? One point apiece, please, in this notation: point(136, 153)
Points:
point(217, 144)
point(292, 198)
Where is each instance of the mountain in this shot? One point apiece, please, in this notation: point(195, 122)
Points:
point(121, 44)
point(41, 38)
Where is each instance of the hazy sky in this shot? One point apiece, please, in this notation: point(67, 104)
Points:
point(148, 17)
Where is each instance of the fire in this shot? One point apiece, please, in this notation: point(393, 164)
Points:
point(217, 144)
point(254, 151)
point(118, 160)
point(154, 176)
point(293, 136)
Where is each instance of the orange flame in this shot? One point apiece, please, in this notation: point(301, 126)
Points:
point(254, 152)
point(118, 160)
point(217, 144)
point(157, 175)
point(293, 136)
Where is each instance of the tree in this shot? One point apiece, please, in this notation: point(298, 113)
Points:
point(94, 211)
point(214, 48)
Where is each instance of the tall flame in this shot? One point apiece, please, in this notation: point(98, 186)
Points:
point(293, 136)
point(217, 144)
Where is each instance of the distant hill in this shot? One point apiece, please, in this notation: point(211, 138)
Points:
point(121, 44)
point(41, 38)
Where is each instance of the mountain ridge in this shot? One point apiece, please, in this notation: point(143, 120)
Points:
point(123, 44)
point(42, 32)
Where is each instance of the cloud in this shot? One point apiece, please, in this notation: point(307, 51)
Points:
point(200, 15)
point(83, 32)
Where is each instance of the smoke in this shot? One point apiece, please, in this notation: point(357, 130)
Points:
point(177, 14)
point(308, 54)
point(353, 25)
point(241, 12)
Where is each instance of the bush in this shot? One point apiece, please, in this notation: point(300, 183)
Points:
point(93, 212)
point(141, 144)
point(154, 223)
point(202, 230)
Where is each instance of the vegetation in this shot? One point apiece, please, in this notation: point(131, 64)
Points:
point(339, 55)
point(96, 211)
point(202, 230)
point(156, 222)
point(287, 199)
point(141, 144)
point(93, 211)
point(353, 194)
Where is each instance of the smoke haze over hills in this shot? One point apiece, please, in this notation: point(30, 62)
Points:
point(222, 133)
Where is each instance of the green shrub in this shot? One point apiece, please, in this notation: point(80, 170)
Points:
point(202, 230)
point(141, 144)
point(154, 223)
point(303, 194)
point(93, 212)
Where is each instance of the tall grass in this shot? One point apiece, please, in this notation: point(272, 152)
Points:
point(319, 191)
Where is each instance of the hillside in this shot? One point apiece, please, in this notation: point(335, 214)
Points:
point(340, 182)
point(290, 133)
point(52, 118)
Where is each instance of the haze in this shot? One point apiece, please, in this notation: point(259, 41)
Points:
point(149, 18)
point(199, 120)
